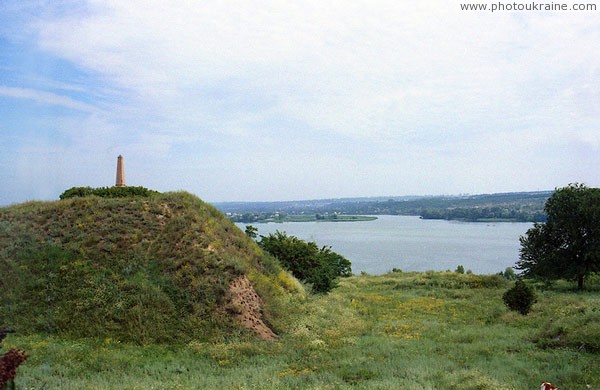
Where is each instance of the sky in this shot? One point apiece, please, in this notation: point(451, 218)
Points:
point(282, 100)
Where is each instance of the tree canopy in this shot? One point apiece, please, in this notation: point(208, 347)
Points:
point(306, 261)
point(567, 245)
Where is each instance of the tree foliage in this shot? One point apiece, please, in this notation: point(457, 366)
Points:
point(251, 231)
point(568, 244)
point(509, 274)
point(306, 261)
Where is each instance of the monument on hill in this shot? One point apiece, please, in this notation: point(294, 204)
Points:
point(120, 173)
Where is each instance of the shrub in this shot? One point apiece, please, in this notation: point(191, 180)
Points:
point(519, 298)
point(107, 192)
point(460, 269)
point(318, 267)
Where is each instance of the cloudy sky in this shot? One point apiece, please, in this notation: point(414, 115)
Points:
point(281, 100)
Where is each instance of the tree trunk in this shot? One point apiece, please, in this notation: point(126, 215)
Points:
point(580, 282)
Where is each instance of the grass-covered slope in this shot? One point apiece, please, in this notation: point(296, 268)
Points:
point(431, 330)
point(151, 269)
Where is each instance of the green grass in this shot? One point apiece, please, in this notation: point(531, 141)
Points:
point(427, 330)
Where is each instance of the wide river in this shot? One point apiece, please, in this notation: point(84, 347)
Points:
point(412, 244)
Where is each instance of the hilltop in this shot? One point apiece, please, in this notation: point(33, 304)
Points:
point(145, 269)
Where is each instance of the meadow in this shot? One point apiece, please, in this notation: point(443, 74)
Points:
point(427, 330)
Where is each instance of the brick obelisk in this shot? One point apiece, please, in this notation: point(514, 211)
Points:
point(120, 173)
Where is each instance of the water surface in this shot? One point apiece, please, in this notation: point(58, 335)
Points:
point(413, 244)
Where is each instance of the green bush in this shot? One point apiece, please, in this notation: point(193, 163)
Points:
point(318, 267)
point(519, 298)
point(107, 192)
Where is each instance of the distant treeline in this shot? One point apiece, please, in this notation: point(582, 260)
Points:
point(107, 192)
point(509, 213)
point(520, 206)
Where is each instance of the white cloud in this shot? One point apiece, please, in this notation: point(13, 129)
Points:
point(47, 98)
point(361, 68)
point(423, 91)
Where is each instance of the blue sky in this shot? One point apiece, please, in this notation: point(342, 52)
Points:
point(249, 101)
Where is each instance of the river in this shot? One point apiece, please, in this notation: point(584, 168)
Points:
point(412, 244)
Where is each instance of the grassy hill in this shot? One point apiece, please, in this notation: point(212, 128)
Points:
point(157, 269)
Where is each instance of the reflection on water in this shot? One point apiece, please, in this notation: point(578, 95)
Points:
point(413, 244)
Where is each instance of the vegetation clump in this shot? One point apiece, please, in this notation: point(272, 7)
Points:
point(508, 274)
point(108, 192)
point(319, 267)
point(519, 298)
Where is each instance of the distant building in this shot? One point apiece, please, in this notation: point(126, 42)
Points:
point(120, 173)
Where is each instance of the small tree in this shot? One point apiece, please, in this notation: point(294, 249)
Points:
point(568, 244)
point(519, 298)
point(509, 274)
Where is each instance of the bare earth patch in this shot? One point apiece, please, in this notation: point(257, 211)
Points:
point(248, 307)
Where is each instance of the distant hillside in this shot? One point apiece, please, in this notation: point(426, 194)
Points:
point(157, 269)
point(513, 206)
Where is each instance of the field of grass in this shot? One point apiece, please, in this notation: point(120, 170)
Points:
point(428, 330)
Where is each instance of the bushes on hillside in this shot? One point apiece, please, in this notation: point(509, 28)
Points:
point(306, 261)
point(107, 192)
